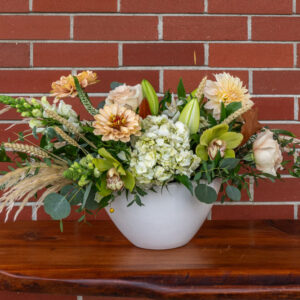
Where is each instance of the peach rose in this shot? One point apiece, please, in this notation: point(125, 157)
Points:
point(267, 153)
point(125, 95)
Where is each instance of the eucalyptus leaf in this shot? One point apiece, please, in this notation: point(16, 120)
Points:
point(57, 206)
point(233, 193)
point(73, 194)
point(115, 84)
point(86, 194)
point(229, 163)
point(205, 193)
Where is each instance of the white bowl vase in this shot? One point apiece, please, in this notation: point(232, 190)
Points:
point(168, 219)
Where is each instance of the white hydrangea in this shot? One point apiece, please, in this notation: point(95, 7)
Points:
point(162, 151)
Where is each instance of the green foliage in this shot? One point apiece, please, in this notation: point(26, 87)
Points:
point(57, 206)
point(165, 100)
point(115, 84)
point(3, 156)
point(185, 181)
point(205, 193)
point(233, 193)
point(181, 90)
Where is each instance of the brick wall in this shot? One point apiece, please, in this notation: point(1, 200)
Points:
point(127, 40)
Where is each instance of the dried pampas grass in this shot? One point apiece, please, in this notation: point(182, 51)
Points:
point(22, 184)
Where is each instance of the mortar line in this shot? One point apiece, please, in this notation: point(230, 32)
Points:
point(30, 5)
point(294, 6)
point(295, 54)
point(160, 28)
point(206, 54)
point(118, 10)
point(296, 212)
point(31, 55)
point(161, 81)
point(250, 83)
point(249, 28)
point(205, 6)
point(296, 109)
point(71, 27)
point(120, 54)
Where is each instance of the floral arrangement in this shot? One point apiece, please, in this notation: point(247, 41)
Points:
point(134, 143)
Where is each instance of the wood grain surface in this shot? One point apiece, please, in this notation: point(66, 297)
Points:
point(226, 260)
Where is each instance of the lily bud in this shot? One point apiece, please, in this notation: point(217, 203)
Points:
point(216, 146)
point(113, 180)
point(151, 96)
point(190, 115)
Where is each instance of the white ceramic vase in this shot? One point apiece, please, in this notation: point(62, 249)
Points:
point(168, 219)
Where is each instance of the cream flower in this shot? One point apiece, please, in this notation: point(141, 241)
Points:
point(267, 154)
point(226, 89)
point(125, 95)
point(117, 123)
point(65, 87)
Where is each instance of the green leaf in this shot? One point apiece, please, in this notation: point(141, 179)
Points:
point(140, 191)
point(3, 156)
point(34, 133)
point(21, 136)
point(86, 194)
point(186, 182)
point(115, 84)
point(233, 107)
point(129, 181)
point(48, 162)
point(229, 163)
point(90, 203)
point(105, 201)
point(57, 206)
point(284, 132)
point(102, 165)
point(233, 193)
point(223, 112)
point(181, 90)
point(205, 193)
point(73, 194)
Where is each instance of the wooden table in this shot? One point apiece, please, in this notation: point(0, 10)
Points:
point(226, 260)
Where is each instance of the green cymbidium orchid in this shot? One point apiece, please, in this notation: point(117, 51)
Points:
point(218, 139)
point(109, 162)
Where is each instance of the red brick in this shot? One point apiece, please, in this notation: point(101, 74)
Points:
point(298, 110)
point(131, 77)
point(276, 82)
point(298, 6)
point(252, 212)
point(75, 55)
point(250, 7)
point(26, 296)
point(34, 27)
point(115, 28)
point(275, 29)
point(75, 6)
point(275, 108)
point(191, 79)
point(208, 28)
point(14, 55)
point(110, 298)
point(14, 6)
point(251, 55)
point(285, 190)
point(25, 215)
point(28, 81)
point(162, 54)
point(166, 6)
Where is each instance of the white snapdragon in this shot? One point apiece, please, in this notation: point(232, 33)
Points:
point(62, 109)
point(162, 151)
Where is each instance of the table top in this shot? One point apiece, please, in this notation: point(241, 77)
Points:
point(238, 258)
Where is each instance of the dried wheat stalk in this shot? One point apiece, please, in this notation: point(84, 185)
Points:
point(31, 150)
point(22, 184)
point(200, 89)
